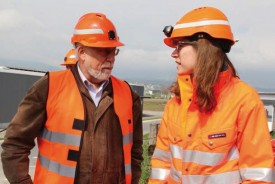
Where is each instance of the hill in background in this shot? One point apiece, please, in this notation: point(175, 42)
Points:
point(252, 79)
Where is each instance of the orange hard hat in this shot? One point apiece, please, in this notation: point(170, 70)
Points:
point(70, 58)
point(95, 30)
point(201, 20)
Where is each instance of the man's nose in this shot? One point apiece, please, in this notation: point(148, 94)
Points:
point(110, 59)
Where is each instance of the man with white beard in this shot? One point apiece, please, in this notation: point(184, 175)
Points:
point(88, 123)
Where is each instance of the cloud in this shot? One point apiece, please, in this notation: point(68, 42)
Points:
point(26, 37)
point(142, 64)
point(40, 31)
point(11, 18)
point(8, 19)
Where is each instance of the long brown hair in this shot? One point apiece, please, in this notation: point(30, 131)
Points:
point(211, 60)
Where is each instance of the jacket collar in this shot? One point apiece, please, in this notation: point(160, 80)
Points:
point(187, 87)
point(82, 88)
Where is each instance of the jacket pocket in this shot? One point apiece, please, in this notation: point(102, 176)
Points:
point(219, 140)
point(175, 139)
point(174, 133)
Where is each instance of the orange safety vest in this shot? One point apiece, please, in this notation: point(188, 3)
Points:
point(231, 145)
point(60, 140)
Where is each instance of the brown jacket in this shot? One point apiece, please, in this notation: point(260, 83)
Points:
point(101, 156)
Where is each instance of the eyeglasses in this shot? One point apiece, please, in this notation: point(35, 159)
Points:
point(105, 52)
point(181, 44)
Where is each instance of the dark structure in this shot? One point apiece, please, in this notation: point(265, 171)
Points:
point(15, 83)
point(139, 89)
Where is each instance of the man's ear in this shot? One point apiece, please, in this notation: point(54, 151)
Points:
point(81, 53)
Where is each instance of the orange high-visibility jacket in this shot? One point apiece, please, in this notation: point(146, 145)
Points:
point(59, 144)
point(228, 146)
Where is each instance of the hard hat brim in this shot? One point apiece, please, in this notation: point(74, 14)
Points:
point(169, 42)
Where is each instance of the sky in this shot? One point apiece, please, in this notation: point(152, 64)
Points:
point(34, 33)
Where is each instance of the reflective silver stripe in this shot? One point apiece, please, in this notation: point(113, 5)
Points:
point(201, 23)
point(176, 175)
point(259, 174)
point(233, 154)
point(203, 158)
point(127, 138)
point(210, 159)
point(225, 178)
point(176, 151)
point(68, 139)
point(159, 174)
point(162, 155)
point(88, 31)
point(58, 168)
point(128, 169)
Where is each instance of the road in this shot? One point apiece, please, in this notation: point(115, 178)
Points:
point(154, 119)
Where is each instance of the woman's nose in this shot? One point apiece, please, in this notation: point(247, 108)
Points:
point(174, 54)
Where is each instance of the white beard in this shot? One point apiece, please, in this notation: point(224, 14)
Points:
point(99, 75)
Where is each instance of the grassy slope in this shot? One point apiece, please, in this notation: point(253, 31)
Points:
point(154, 104)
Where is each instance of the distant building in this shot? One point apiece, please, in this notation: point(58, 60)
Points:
point(15, 83)
point(153, 90)
point(268, 99)
point(138, 88)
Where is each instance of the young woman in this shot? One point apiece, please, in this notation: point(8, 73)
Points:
point(215, 130)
